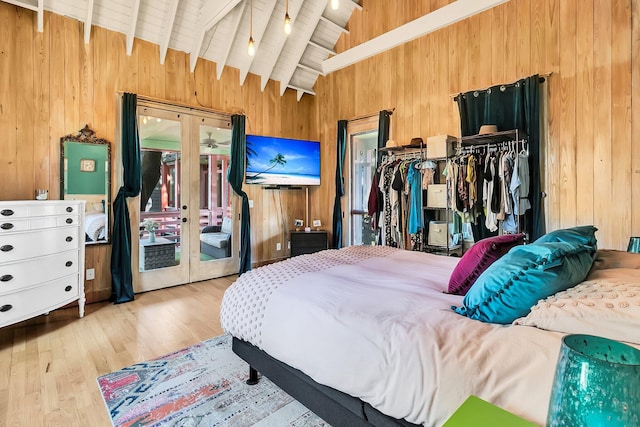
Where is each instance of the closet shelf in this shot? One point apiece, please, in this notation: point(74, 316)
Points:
point(504, 136)
point(403, 149)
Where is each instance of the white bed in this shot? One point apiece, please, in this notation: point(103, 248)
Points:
point(375, 323)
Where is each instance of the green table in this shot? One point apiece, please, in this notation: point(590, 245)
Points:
point(476, 412)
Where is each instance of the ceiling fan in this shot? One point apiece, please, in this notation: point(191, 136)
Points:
point(212, 143)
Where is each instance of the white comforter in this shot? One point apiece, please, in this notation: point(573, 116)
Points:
point(380, 328)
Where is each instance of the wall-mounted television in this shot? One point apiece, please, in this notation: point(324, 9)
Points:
point(274, 161)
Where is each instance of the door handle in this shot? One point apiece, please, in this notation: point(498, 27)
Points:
point(184, 219)
point(184, 207)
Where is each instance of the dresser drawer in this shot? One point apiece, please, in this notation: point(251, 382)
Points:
point(23, 274)
point(22, 305)
point(37, 223)
point(31, 244)
point(25, 210)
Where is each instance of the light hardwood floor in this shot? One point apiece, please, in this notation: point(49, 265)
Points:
point(49, 364)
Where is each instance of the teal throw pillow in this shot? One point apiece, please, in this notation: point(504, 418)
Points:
point(581, 235)
point(516, 282)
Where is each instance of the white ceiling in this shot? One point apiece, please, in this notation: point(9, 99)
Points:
point(218, 30)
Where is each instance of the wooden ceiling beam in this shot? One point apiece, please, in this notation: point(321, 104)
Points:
point(168, 25)
point(132, 26)
point(333, 24)
point(88, 22)
point(209, 15)
point(439, 18)
point(259, 28)
point(315, 11)
point(222, 62)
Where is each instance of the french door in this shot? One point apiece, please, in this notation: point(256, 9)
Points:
point(184, 228)
point(362, 151)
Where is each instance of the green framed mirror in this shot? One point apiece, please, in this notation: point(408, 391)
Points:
point(85, 175)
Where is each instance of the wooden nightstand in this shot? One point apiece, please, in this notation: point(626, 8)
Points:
point(307, 242)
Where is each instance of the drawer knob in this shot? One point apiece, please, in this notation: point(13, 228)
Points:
point(6, 278)
point(68, 288)
point(5, 308)
point(69, 209)
point(6, 248)
point(69, 238)
point(6, 212)
point(69, 220)
point(68, 263)
point(6, 226)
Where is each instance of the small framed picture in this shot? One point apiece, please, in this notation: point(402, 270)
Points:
point(298, 223)
point(87, 165)
point(316, 223)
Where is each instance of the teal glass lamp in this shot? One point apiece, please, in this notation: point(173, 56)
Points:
point(634, 245)
point(597, 384)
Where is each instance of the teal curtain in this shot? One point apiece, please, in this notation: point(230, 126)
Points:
point(236, 177)
point(121, 275)
point(337, 204)
point(511, 106)
point(384, 123)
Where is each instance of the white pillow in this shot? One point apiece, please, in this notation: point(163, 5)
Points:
point(606, 306)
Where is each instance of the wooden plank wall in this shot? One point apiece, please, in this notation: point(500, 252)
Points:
point(591, 47)
point(52, 84)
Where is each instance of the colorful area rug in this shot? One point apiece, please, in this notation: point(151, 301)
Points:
point(202, 385)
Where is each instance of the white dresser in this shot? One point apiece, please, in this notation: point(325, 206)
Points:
point(41, 257)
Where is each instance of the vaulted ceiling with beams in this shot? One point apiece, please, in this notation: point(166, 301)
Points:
point(219, 30)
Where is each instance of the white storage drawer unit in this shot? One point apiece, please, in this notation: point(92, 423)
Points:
point(438, 233)
point(441, 146)
point(41, 257)
point(437, 196)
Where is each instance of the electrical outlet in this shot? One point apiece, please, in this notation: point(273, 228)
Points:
point(90, 274)
point(288, 244)
point(278, 246)
point(250, 204)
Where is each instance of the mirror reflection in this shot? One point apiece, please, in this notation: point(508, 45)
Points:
point(85, 162)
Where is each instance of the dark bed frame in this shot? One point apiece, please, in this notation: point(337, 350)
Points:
point(333, 406)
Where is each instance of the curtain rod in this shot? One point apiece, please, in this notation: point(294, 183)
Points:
point(453, 95)
point(368, 116)
point(144, 98)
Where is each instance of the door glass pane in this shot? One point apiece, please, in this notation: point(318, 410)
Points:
point(160, 215)
point(363, 164)
point(216, 225)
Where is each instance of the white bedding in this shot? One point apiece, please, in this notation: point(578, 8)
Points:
point(381, 329)
point(94, 225)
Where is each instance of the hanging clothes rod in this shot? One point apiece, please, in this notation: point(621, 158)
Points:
point(542, 76)
point(369, 116)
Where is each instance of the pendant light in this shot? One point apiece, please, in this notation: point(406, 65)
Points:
point(251, 49)
point(335, 4)
point(287, 21)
